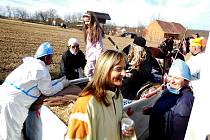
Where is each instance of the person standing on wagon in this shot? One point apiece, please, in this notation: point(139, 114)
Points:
point(22, 87)
point(93, 34)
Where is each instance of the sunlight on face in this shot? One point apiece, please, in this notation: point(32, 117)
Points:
point(86, 20)
point(74, 48)
point(117, 74)
point(176, 82)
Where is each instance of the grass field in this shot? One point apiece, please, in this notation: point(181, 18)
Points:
point(20, 39)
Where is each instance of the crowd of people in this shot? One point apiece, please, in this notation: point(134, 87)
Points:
point(113, 75)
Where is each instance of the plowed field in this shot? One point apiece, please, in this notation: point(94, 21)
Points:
point(20, 39)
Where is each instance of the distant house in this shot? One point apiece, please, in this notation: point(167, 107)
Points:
point(158, 30)
point(55, 21)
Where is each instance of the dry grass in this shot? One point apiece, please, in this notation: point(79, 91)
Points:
point(20, 39)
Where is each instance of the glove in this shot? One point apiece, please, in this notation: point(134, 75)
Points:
point(65, 82)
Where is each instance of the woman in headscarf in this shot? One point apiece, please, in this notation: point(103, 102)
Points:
point(170, 114)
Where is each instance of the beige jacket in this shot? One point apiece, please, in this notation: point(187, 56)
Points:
point(92, 120)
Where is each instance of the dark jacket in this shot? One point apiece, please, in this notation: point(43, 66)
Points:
point(167, 45)
point(170, 115)
point(132, 84)
point(70, 63)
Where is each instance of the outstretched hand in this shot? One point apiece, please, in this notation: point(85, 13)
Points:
point(65, 82)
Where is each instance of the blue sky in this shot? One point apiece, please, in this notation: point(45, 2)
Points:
point(193, 14)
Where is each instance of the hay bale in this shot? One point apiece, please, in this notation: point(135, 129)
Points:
point(61, 103)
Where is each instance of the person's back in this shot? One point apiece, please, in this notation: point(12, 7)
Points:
point(24, 77)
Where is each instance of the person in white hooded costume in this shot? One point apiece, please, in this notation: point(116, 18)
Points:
point(198, 126)
point(22, 87)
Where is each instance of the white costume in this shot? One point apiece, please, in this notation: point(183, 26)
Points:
point(20, 89)
point(198, 126)
point(195, 63)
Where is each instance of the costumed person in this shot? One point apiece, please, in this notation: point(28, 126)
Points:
point(22, 87)
point(198, 126)
point(170, 114)
point(140, 64)
point(73, 61)
point(97, 113)
point(93, 34)
point(195, 61)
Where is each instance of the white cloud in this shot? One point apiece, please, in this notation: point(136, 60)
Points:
point(190, 13)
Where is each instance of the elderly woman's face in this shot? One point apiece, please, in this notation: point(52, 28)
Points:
point(74, 48)
point(176, 82)
point(117, 74)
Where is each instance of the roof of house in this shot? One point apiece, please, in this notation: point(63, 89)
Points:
point(171, 27)
point(102, 15)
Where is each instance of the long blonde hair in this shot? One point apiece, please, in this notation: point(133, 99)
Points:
point(94, 29)
point(101, 78)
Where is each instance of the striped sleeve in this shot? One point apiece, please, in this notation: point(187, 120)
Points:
point(79, 124)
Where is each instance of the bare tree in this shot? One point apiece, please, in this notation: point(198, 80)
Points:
point(44, 15)
point(139, 24)
point(9, 11)
point(110, 28)
point(41, 15)
point(52, 13)
point(20, 13)
point(74, 18)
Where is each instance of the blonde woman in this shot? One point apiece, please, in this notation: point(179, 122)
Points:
point(93, 34)
point(97, 113)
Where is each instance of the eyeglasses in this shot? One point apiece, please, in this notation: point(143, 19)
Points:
point(75, 46)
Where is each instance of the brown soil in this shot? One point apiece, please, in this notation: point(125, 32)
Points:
point(20, 39)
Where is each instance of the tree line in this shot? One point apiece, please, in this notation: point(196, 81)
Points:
point(71, 20)
point(39, 16)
